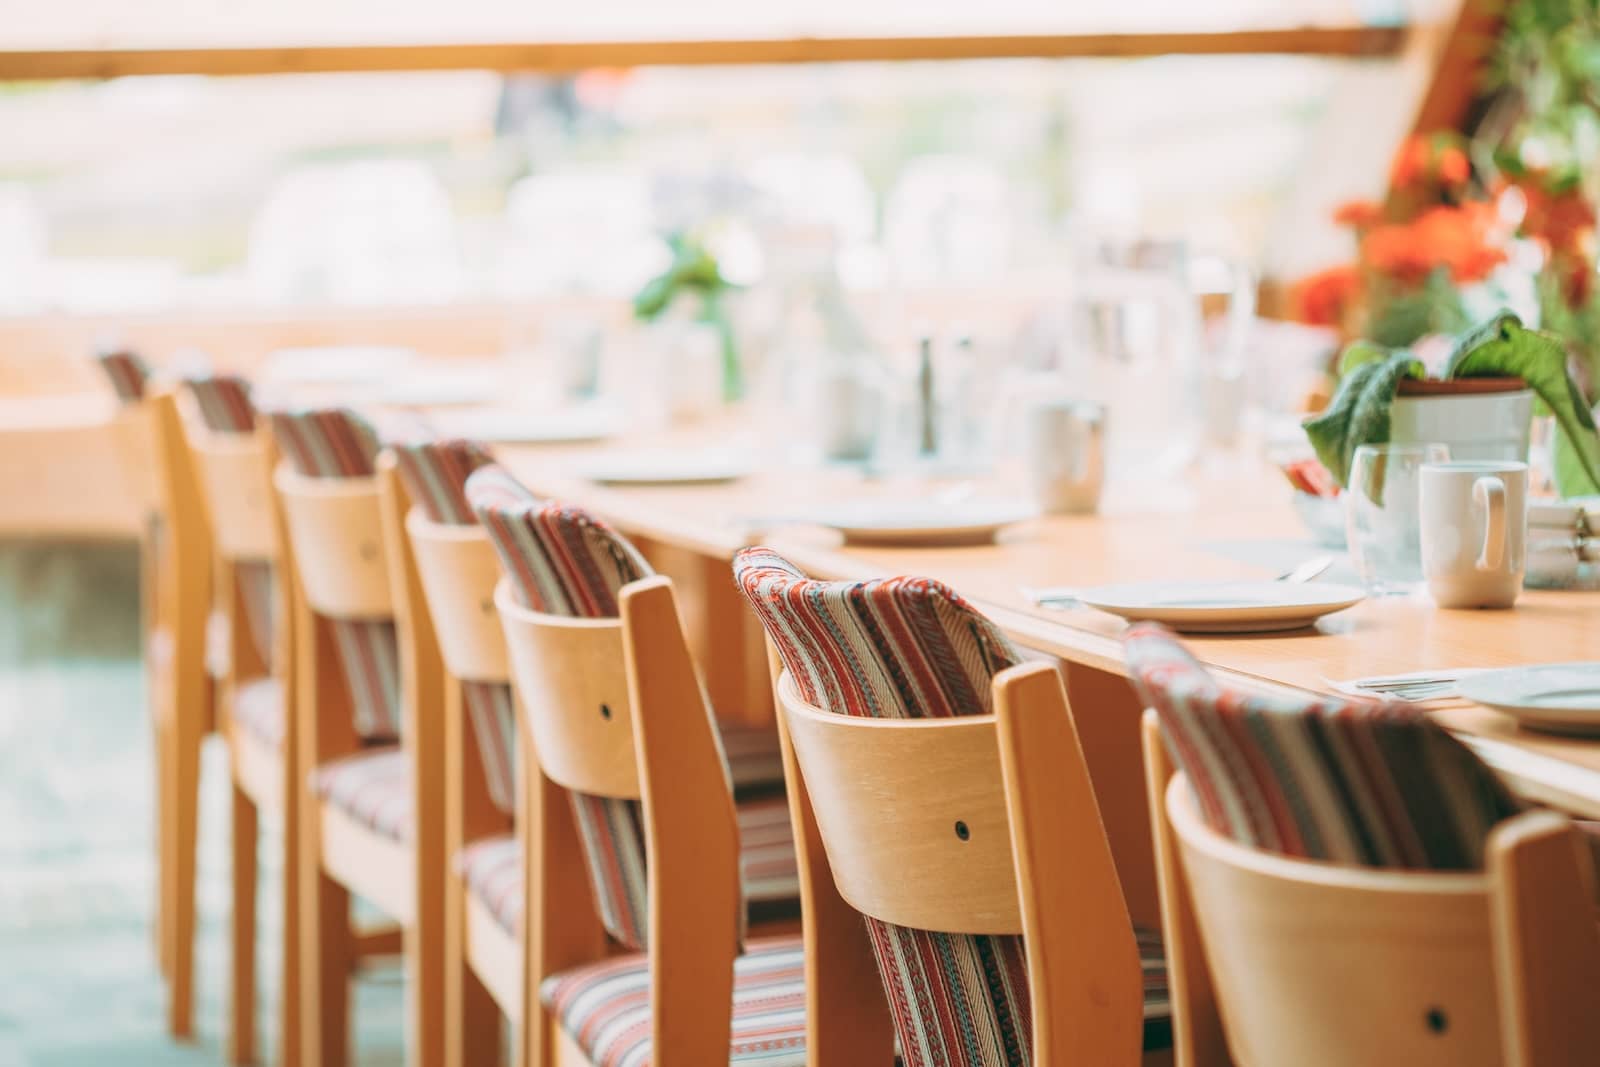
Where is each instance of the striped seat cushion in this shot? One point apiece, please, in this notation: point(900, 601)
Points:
point(374, 788)
point(258, 709)
point(1318, 777)
point(225, 404)
point(492, 869)
point(127, 372)
point(905, 648)
point(605, 1007)
point(338, 443)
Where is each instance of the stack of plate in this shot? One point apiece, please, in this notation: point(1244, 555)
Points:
point(1563, 542)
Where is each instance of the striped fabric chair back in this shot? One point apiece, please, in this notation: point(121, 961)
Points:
point(237, 486)
point(127, 372)
point(906, 648)
point(333, 515)
point(458, 571)
point(225, 404)
point(561, 561)
point(1318, 778)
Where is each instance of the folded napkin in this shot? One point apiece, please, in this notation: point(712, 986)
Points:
point(1412, 687)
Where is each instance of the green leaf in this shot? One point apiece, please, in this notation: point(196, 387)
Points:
point(1359, 412)
point(1503, 346)
point(1361, 352)
point(1571, 477)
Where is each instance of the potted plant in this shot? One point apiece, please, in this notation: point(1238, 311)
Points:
point(1481, 405)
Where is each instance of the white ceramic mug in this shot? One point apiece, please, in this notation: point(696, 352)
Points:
point(1474, 531)
point(1064, 452)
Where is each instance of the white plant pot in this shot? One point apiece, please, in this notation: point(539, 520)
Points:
point(1474, 425)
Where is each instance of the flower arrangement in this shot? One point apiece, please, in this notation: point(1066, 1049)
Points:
point(1418, 254)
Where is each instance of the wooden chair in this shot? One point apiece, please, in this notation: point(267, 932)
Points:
point(1356, 887)
point(372, 820)
point(485, 947)
point(233, 457)
point(630, 787)
point(939, 790)
point(1322, 965)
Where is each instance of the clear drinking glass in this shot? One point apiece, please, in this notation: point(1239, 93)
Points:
point(1382, 514)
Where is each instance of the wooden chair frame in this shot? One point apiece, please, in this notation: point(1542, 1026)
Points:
point(624, 715)
point(486, 966)
point(349, 561)
point(883, 810)
point(235, 480)
point(176, 592)
point(1501, 966)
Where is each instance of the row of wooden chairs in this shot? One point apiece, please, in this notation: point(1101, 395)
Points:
point(598, 870)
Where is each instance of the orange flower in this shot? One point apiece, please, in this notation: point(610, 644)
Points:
point(1453, 167)
point(1358, 214)
point(1462, 239)
point(1564, 221)
point(1323, 298)
point(1410, 163)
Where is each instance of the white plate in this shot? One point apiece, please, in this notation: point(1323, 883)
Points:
point(1557, 697)
point(1224, 607)
point(666, 468)
point(527, 427)
point(336, 364)
point(922, 522)
point(439, 388)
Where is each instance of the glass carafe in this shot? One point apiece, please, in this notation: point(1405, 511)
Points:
point(824, 385)
point(1136, 344)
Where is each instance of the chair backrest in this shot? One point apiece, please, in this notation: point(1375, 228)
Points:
point(951, 797)
point(561, 606)
point(236, 477)
point(1322, 965)
point(1288, 943)
point(907, 803)
point(1319, 777)
point(333, 509)
point(459, 571)
point(336, 526)
point(572, 676)
point(454, 558)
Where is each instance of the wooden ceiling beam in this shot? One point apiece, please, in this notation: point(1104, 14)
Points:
point(20, 64)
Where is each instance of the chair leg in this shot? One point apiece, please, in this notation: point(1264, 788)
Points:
point(327, 950)
point(242, 1004)
point(325, 968)
point(164, 833)
point(290, 1008)
point(471, 1017)
point(183, 772)
point(425, 979)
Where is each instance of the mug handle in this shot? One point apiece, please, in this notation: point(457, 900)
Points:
point(1490, 494)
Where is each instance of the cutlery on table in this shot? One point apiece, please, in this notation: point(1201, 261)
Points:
point(1414, 688)
point(1065, 596)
